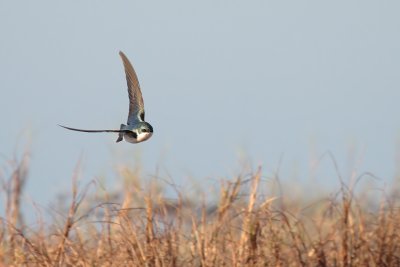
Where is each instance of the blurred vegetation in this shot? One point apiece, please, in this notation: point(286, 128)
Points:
point(249, 222)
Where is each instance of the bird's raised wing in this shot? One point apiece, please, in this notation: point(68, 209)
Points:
point(93, 131)
point(136, 105)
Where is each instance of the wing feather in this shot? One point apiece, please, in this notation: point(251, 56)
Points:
point(136, 105)
point(92, 131)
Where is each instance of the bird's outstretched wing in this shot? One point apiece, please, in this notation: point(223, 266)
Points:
point(136, 105)
point(92, 131)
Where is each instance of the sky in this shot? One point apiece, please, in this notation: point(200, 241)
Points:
point(225, 83)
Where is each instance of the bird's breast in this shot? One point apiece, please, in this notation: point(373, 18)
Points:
point(140, 138)
point(143, 137)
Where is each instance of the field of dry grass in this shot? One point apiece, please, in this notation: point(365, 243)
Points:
point(243, 225)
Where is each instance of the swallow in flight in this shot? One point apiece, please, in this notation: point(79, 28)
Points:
point(137, 129)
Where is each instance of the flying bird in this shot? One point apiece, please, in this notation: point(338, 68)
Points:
point(137, 129)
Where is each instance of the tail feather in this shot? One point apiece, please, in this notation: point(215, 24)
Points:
point(121, 134)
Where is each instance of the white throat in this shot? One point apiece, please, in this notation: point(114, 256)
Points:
point(140, 138)
point(143, 137)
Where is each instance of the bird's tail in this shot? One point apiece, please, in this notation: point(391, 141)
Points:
point(121, 134)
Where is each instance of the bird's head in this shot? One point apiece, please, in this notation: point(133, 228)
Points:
point(144, 131)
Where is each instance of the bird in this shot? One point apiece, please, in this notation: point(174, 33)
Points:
point(137, 129)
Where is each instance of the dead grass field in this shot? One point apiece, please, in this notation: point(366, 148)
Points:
point(244, 225)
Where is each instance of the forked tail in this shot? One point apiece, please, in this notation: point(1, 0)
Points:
point(121, 134)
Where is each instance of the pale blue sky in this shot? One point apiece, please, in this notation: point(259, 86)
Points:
point(221, 81)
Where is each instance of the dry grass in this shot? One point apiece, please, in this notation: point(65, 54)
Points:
point(246, 226)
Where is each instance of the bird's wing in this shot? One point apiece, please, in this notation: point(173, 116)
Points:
point(136, 105)
point(93, 131)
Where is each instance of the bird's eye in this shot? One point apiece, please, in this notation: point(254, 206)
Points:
point(144, 130)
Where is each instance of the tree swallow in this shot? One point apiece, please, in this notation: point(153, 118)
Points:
point(137, 129)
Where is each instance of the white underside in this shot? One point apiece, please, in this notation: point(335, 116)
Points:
point(140, 138)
